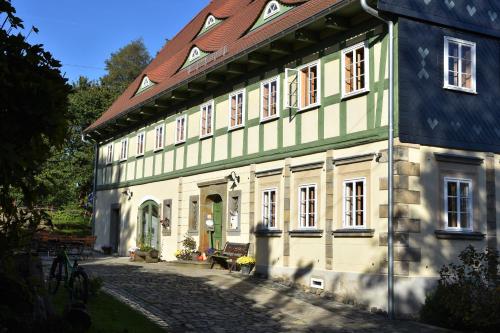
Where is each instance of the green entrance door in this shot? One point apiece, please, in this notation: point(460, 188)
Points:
point(149, 224)
point(217, 235)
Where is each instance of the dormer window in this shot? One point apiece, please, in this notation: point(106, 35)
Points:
point(210, 21)
point(195, 53)
point(272, 8)
point(145, 83)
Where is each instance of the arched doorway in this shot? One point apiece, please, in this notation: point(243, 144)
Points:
point(149, 224)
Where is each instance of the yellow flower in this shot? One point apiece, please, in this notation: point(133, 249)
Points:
point(245, 260)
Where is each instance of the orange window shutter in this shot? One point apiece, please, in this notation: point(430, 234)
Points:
point(303, 87)
point(348, 72)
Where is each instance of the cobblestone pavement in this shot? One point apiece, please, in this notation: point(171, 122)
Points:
point(200, 300)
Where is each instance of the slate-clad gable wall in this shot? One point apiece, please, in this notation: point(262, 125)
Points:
point(482, 16)
point(432, 115)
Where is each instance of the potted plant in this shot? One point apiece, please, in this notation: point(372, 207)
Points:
point(247, 263)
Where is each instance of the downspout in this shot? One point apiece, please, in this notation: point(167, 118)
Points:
point(390, 172)
point(94, 181)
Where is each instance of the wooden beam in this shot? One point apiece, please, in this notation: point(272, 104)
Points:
point(180, 95)
point(336, 23)
point(306, 36)
point(257, 58)
point(214, 78)
point(147, 111)
point(236, 68)
point(196, 87)
point(280, 48)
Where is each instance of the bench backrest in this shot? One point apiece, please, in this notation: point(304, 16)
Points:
point(235, 249)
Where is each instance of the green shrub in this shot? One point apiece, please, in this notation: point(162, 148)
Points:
point(467, 296)
point(95, 284)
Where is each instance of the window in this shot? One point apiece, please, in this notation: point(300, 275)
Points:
point(124, 150)
point(307, 206)
point(140, 144)
point(145, 83)
point(269, 92)
point(195, 53)
point(109, 154)
point(458, 204)
point(193, 213)
point(355, 70)
point(308, 86)
point(159, 137)
point(206, 126)
point(180, 133)
point(269, 208)
point(237, 109)
point(272, 8)
point(210, 21)
point(234, 204)
point(459, 64)
point(355, 203)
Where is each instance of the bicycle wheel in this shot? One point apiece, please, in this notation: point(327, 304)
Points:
point(79, 286)
point(55, 275)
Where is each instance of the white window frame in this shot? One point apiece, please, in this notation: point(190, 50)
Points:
point(210, 21)
point(470, 203)
point(269, 81)
point(203, 108)
point(159, 144)
point(460, 42)
point(268, 7)
point(353, 208)
point(109, 153)
point(177, 129)
point(301, 107)
point(243, 109)
point(267, 210)
point(194, 54)
point(139, 152)
point(308, 186)
point(124, 149)
point(363, 45)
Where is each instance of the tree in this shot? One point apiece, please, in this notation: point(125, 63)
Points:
point(33, 109)
point(125, 65)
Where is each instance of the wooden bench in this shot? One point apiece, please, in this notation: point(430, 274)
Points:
point(231, 251)
point(50, 243)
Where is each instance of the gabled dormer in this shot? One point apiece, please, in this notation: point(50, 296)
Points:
point(210, 23)
point(272, 10)
point(146, 83)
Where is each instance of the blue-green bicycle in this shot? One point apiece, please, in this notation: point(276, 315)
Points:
point(74, 277)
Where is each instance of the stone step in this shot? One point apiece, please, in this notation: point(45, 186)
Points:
point(189, 264)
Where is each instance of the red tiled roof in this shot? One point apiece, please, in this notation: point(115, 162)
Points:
point(238, 17)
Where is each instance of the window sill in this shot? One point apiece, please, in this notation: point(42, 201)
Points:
point(309, 107)
point(268, 119)
point(230, 129)
point(355, 94)
point(458, 89)
point(233, 231)
point(357, 233)
point(206, 136)
point(157, 150)
point(268, 233)
point(123, 160)
point(464, 235)
point(306, 233)
point(192, 232)
point(180, 142)
point(139, 156)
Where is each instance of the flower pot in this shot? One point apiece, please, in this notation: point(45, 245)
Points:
point(154, 254)
point(246, 269)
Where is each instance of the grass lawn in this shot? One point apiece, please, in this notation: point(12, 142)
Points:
point(110, 315)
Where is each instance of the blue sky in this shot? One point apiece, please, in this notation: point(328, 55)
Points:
point(83, 33)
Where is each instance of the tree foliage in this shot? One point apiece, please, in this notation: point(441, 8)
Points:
point(33, 109)
point(125, 65)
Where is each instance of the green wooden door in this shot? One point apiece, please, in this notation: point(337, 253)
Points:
point(217, 235)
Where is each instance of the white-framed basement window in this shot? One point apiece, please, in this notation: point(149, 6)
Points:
point(109, 153)
point(207, 119)
point(354, 203)
point(124, 149)
point(180, 129)
point(459, 64)
point(269, 99)
point(303, 86)
point(307, 206)
point(237, 109)
point(269, 217)
point(458, 204)
point(355, 70)
point(159, 137)
point(141, 142)
point(272, 8)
